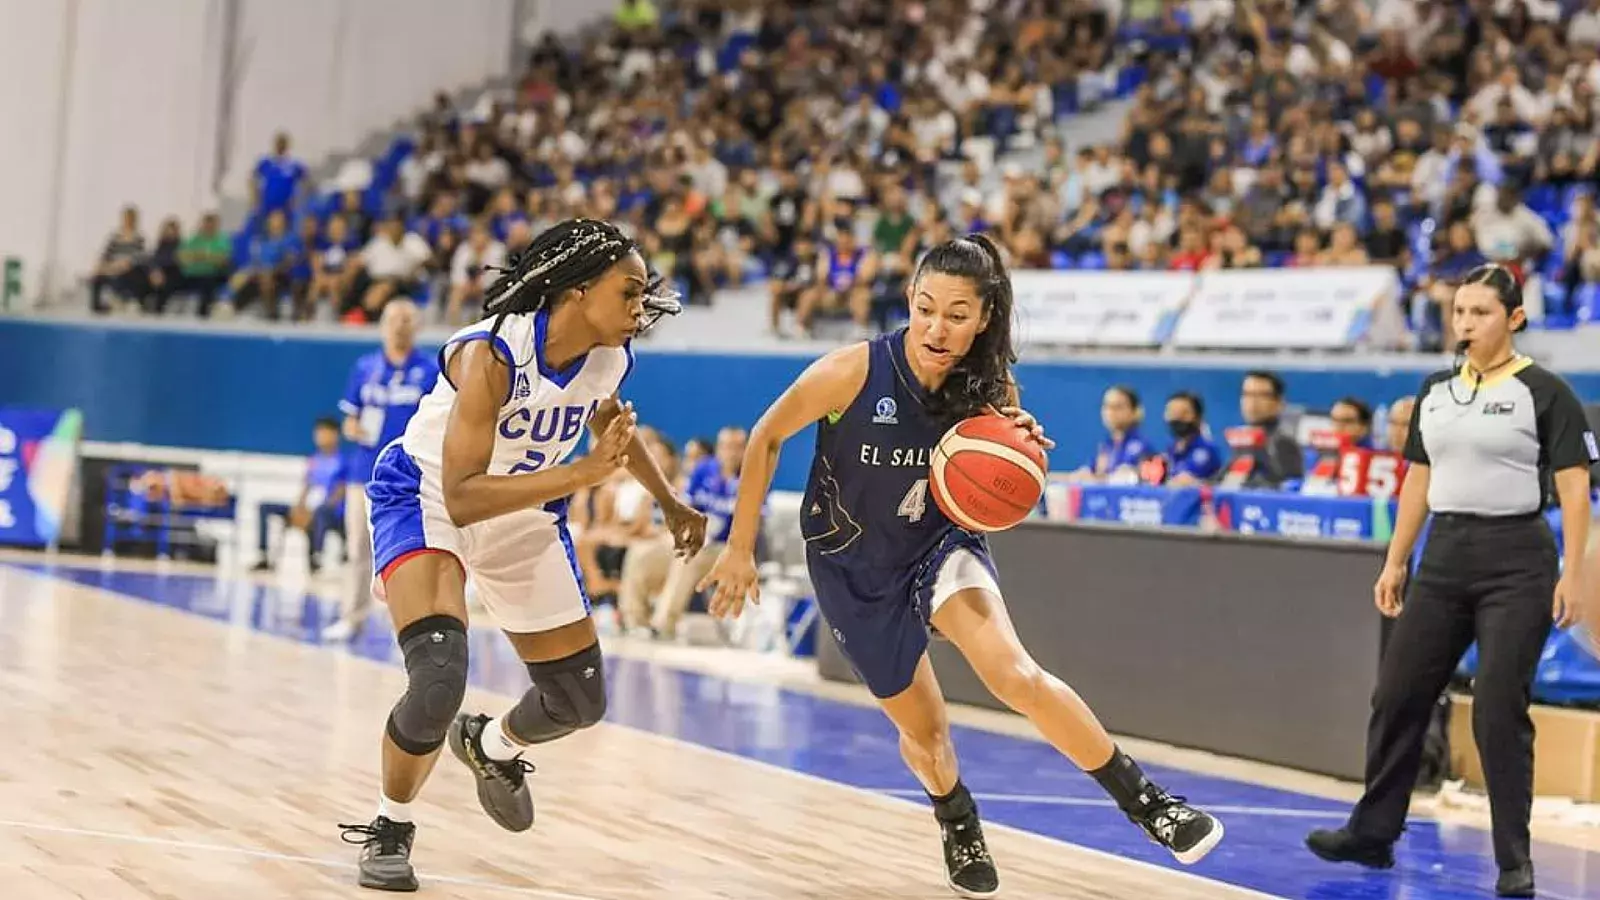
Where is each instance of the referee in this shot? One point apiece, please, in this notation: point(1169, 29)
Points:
point(1485, 440)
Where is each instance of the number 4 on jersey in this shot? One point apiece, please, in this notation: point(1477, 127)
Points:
point(915, 502)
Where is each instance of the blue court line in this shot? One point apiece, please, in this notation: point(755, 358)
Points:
point(854, 745)
point(1335, 816)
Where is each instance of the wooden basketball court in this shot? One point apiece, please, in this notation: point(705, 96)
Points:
point(190, 752)
point(158, 755)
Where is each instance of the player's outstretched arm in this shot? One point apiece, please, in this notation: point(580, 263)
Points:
point(827, 386)
point(686, 524)
point(470, 493)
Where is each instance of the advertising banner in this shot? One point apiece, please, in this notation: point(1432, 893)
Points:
point(1135, 504)
point(1308, 309)
point(1099, 309)
point(38, 460)
point(1297, 515)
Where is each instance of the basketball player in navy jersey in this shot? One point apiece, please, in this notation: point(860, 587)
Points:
point(888, 566)
point(382, 395)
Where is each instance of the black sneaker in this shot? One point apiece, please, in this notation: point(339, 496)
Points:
point(1171, 822)
point(1343, 846)
point(502, 785)
point(385, 863)
point(1516, 882)
point(969, 869)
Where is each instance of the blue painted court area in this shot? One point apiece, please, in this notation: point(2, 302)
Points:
point(1021, 783)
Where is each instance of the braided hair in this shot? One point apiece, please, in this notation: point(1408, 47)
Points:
point(564, 256)
point(983, 376)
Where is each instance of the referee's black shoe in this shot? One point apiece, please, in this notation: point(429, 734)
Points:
point(1342, 846)
point(1516, 882)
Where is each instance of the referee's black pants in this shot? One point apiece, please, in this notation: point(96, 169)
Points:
point(1492, 580)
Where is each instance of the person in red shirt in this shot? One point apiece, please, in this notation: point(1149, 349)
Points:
point(1392, 59)
point(1191, 253)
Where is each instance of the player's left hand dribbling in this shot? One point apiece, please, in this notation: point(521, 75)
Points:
point(687, 526)
point(731, 580)
point(1028, 423)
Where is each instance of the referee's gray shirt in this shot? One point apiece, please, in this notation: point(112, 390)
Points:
point(1493, 456)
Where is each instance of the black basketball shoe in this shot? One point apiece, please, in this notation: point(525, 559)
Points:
point(502, 784)
point(1170, 821)
point(385, 863)
point(969, 869)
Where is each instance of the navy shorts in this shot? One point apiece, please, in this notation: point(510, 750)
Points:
point(881, 617)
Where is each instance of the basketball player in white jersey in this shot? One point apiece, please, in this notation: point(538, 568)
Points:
point(479, 485)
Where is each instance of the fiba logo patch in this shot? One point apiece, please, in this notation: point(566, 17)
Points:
point(1591, 446)
point(885, 412)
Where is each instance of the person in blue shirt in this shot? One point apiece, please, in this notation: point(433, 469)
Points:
point(442, 217)
point(713, 487)
point(307, 238)
point(1192, 458)
point(383, 393)
point(320, 508)
point(330, 265)
point(1118, 456)
point(505, 212)
point(266, 272)
point(277, 178)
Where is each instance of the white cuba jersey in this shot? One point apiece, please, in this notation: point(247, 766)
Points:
point(544, 417)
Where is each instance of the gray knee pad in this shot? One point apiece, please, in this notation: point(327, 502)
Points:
point(435, 649)
point(567, 694)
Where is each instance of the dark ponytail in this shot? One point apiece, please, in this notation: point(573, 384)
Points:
point(983, 376)
point(1507, 286)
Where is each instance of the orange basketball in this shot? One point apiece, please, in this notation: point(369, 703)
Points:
point(987, 473)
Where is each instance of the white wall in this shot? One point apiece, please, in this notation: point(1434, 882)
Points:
point(331, 72)
point(32, 48)
point(140, 116)
point(108, 102)
point(560, 16)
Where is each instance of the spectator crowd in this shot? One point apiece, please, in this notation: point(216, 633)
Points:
point(821, 146)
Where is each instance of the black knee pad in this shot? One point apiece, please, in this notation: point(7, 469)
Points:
point(567, 694)
point(435, 649)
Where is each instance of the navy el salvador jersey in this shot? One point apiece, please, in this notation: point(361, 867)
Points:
point(867, 498)
point(383, 397)
point(875, 540)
